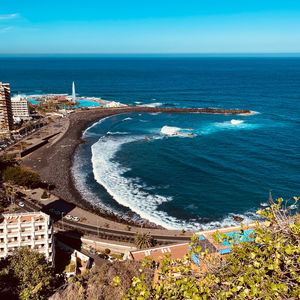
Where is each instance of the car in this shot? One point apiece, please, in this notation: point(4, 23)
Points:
point(69, 217)
point(21, 204)
point(93, 252)
point(111, 259)
point(57, 212)
point(52, 210)
point(30, 199)
point(104, 256)
point(76, 219)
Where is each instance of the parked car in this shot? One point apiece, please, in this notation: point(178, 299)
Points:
point(76, 219)
point(69, 217)
point(21, 204)
point(104, 256)
point(93, 252)
point(111, 259)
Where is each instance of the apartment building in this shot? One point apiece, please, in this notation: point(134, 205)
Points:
point(20, 108)
point(32, 229)
point(6, 117)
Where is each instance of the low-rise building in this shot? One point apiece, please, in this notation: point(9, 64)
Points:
point(20, 108)
point(176, 251)
point(31, 229)
point(114, 104)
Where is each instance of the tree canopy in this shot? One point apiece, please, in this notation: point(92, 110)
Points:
point(143, 240)
point(30, 275)
point(21, 176)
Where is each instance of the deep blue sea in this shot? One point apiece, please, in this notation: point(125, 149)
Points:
point(215, 167)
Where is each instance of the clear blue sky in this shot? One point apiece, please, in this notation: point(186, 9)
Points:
point(165, 26)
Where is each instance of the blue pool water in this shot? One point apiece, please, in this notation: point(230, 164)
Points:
point(132, 164)
point(238, 237)
point(82, 103)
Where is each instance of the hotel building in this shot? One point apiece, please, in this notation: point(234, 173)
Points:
point(32, 229)
point(6, 117)
point(20, 108)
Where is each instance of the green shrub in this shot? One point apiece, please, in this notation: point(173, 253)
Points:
point(21, 176)
point(267, 268)
point(107, 251)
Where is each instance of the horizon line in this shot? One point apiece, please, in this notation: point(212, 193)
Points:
point(200, 54)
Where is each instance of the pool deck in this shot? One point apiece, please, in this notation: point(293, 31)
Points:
point(223, 249)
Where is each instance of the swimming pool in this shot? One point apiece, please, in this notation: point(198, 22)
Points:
point(238, 237)
point(82, 103)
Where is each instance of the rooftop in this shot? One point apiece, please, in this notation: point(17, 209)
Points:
point(23, 217)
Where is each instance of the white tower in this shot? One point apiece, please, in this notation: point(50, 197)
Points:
point(73, 92)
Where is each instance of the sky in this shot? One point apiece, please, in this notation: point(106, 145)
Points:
point(165, 26)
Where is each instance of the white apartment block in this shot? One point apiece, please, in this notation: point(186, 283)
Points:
point(20, 108)
point(32, 229)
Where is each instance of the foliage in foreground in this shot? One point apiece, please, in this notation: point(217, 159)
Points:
point(268, 268)
point(28, 274)
point(21, 176)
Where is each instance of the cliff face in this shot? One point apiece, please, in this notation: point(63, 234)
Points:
point(97, 283)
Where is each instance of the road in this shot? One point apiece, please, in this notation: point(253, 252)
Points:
point(105, 233)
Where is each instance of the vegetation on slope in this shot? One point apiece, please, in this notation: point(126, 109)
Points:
point(267, 268)
point(26, 275)
point(97, 283)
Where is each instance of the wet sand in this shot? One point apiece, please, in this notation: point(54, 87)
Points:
point(54, 161)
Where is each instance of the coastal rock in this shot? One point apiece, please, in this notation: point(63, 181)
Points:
point(237, 218)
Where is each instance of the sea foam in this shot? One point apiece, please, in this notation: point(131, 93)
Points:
point(126, 191)
point(155, 104)
point(169, 130)
point(134, 194)
point(236, 122)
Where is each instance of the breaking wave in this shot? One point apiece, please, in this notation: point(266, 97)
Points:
point(169, 130)
point(131, 193)
point(155, 104)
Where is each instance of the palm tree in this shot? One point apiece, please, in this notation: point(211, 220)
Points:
point(143, 240)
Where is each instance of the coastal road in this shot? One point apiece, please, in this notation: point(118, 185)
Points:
point(105, 233)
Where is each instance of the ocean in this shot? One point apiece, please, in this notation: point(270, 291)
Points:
point(185, 171)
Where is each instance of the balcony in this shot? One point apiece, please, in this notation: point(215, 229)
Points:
point(12, 233)
point(12, 225)
point(13, 244)
point(26, 242)
point(40, 241)
point(39, 232)
point(26, 233)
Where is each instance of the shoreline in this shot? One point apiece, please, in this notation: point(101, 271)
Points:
point(54, 161)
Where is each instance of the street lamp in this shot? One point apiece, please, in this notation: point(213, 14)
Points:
point(62, 219)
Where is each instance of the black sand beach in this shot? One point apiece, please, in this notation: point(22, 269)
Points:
point(54, 161)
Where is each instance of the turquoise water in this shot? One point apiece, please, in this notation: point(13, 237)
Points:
point(82, 103)
point(239, 237)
